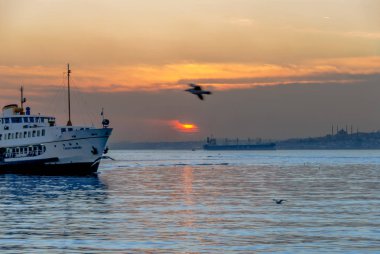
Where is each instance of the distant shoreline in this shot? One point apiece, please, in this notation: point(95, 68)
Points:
point(340, 141)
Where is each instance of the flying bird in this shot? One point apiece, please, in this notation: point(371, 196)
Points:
point(197, 90)
point(279, 201)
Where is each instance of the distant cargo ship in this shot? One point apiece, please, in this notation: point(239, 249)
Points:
point(211, 144)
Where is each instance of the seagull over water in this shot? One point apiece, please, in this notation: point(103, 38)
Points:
point(197, 90)
point(279, 201)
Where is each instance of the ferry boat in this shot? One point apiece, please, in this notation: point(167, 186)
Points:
point(35, 144)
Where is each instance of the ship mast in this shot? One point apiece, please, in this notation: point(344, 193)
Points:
point(68, 94)
point(23, 100)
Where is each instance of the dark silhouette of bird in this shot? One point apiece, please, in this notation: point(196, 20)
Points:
point(279, 201)
point(197, 90)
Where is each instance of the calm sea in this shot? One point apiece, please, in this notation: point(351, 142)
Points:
point(199, 202)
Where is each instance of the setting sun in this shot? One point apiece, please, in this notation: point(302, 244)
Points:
point(188, 126)
point(184, 127)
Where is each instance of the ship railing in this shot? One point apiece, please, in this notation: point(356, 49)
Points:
point(22, 155)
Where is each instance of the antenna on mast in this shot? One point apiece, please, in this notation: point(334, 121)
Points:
point(68, 94)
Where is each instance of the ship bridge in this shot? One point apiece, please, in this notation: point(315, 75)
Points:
point(15, 117)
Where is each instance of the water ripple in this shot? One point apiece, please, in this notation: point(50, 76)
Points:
point(196, 207)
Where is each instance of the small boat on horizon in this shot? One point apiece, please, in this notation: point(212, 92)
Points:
point(34, 144)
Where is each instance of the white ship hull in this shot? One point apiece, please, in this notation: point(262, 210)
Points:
point(75, 152)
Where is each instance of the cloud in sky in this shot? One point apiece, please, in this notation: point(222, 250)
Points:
point(369, 35)
point(88, 33)
point(241, 21)
point(176, 76)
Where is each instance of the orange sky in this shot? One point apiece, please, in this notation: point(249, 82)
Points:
point(152, 44)
point(125, 46)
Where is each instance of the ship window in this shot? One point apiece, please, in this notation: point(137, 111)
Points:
point(43, 132)
point(25, 134)
point(33, 133)
point(37, 119)
point(63, 130)
point(38, 133)
point(26, 120)
point(16, 120)
point(16, 135)
point(1, 135)
point(12, 136)
point(31, 119)
point(69, 129)
point(29, 134)
point(6, 120)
